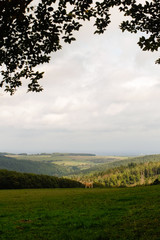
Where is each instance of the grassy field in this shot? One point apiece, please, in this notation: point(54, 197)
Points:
point(80, 214)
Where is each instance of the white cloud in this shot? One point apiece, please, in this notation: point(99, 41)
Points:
point(100, 94)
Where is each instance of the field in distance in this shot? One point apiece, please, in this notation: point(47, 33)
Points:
point(79, 161)
point(102, 170)
point(76, 214)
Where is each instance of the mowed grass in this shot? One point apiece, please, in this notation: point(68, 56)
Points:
point(80, 214)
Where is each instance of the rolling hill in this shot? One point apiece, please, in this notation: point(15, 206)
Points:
point(36, 167)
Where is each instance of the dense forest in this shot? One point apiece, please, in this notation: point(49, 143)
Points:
point(122, 162)
point(16, 180)
point(131, 175)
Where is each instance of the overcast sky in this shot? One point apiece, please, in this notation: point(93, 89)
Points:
point(101, 95)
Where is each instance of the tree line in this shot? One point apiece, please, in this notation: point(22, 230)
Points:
point(17, 180)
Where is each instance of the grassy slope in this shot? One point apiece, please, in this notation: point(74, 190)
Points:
point(76, 214)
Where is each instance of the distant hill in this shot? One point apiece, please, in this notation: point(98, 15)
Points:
point(34, 167)
point(66, 154)
point(68, 164)
point(124, 162)
point(71, 161)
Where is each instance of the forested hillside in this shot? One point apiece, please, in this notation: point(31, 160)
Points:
point(34, 167)
point(101, 170)
point(16, 180)
point(121, 162)
point(131, 175)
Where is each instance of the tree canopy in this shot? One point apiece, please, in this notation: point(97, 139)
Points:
point(30, 34)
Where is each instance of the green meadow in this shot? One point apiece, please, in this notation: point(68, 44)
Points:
point(80, 214)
